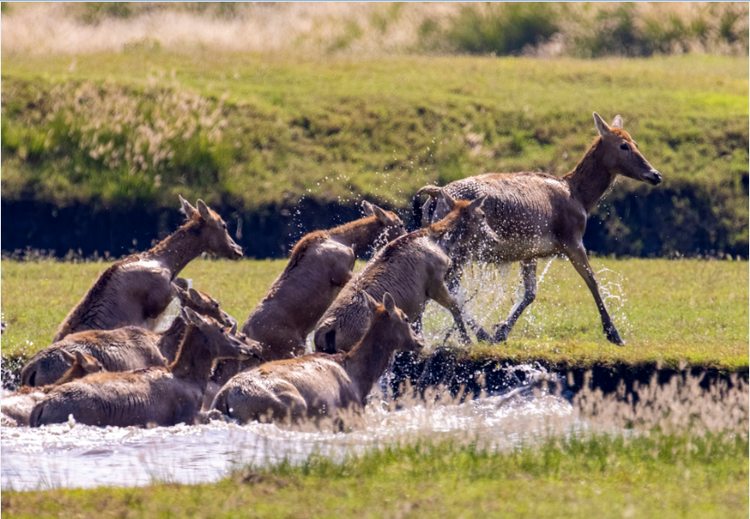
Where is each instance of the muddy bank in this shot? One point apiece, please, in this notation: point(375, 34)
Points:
point(497, 374)
point(682, 219)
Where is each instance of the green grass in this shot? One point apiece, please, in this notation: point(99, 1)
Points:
point(297, 122)
point(601, 476)
point(690, 310)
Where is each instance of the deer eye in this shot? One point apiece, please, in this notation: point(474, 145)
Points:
point(624, 147)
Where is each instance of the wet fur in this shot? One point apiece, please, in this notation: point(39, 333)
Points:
point(320, 266)
point(411, 268)
point(155, 395)
point(318, 384)
point(136, 290)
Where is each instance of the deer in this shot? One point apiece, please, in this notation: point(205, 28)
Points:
point(18, 406)
point(126, 348)
point(161, 396)
point(320, 265)
point(320, 384)
point(537, 215)
point(412, 269)
point(136, 290)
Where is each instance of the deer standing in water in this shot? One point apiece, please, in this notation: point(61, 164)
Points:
point(320, 266)
point(157, 395)
point(320, 384)
point(123, 349)
point(135, 290)
point(537, 215)
point(18, 406)
point(412, 269)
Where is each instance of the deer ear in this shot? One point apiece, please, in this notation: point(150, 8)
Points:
point(191, 317)
point(233, 330)
point(389, 303)
point(477, 203)
point(68, 357)
point(371, 303)
point(195, 297)
point(367, 208)
point(617, 122)
point(204, 211)
point(380, 214)
point(601, 126)
point(188, 209)
point(449, 200)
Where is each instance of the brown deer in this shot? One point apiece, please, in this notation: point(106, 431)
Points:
point(152, 396)
point(537, 215)
point(123, 349)
point(320, 266)
point(135, 290)
point(412, 268)
point(18, 406)
point(320, 384)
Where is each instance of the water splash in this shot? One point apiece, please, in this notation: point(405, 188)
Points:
point(74, 455)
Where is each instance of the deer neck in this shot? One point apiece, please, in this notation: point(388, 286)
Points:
point(169, 342)
point(591, 179)
point(367, 361)
point(179, 248)
point(360, 234)
point(194, 361)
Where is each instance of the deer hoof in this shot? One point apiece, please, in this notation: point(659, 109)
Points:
point(501, 332)
point(613, 336)
point(483, 335)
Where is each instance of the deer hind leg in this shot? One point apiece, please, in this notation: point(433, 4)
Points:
point(580, 260)
point(528, 273)
point(453, 276)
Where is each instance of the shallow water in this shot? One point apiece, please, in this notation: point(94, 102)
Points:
point(72, 455)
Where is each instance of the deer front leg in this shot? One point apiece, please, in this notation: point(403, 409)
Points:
point(528, 273)
point(578, 257)
point(442, 296)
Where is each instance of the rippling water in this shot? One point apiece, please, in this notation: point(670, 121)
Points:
point(72, 455)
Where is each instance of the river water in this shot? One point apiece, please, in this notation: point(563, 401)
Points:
point(73, 455)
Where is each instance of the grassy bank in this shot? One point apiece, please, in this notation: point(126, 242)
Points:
point(257, 133)
point(690, 310)
point(606, 476)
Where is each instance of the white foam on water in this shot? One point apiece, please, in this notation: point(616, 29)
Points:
point(73, 455)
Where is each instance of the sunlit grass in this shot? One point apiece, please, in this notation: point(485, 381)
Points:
point(667, 311)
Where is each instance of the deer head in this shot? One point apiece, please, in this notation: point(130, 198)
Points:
point(393, 323)
point(620, 152)
point(393, 227)
point(223, 341)
point(464, 227)
point(212, 231)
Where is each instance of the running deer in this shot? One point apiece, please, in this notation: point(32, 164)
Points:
point(320, 266)
point(537, 215)
point(135, 290)
point(412, 268)
point(18, 406)
point(123, 349)
point(152, 396)
point(320, 384)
